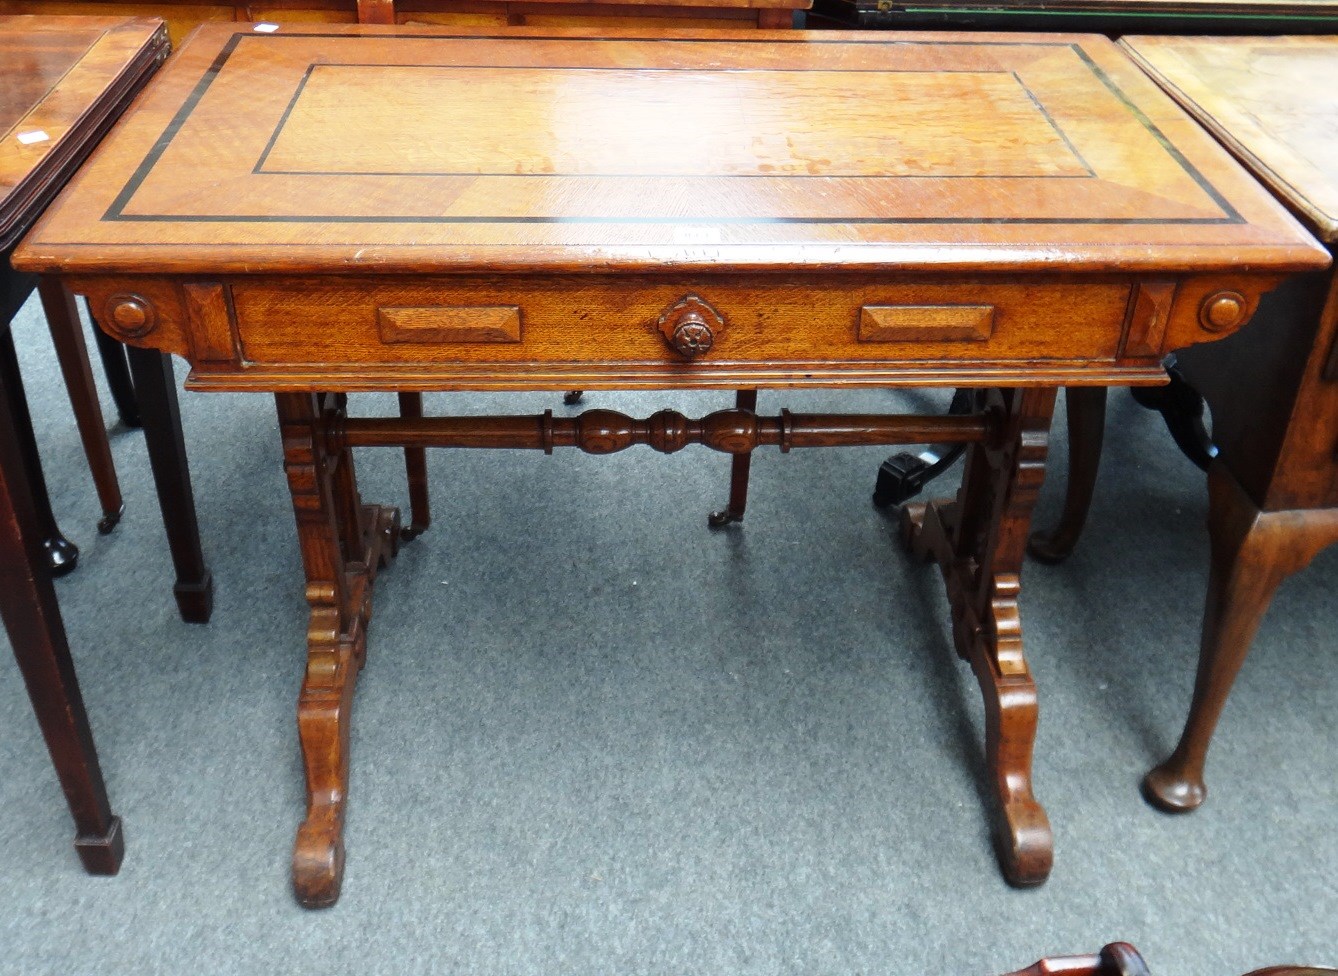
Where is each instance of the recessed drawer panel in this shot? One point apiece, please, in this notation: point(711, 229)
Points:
point(448, 324)
point(926, 323)
point(478, 322)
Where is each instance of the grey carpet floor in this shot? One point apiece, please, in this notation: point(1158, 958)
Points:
point(593, 737)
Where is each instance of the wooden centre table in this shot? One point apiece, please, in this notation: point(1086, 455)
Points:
point(316, 211)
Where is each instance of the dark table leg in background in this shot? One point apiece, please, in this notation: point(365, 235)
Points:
point(156, 388)
point(60, 553)
point(67, 335)
point(32, 620)
point(117, 368)
point(740, 467)
point(1087, 428)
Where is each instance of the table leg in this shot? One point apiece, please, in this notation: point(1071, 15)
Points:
point(67, 335)
point(157, 389)
point(36, 632)
point(343, 545)
point(415, 467)
point(1087, 428)
point(117, 368)
point(739, 467)
point(61, 554)
point(1252, 553)
point(978, 541)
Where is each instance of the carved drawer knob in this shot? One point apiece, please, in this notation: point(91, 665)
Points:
point(129, 315)
point(691, 326)
point(1222, 310)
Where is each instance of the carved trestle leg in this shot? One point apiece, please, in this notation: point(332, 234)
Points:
point(979, 540)
point(1252, 553)
point(739, 467)
point(343, 544)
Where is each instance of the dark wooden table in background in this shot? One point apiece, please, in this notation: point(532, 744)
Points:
point(1111, 17)
point(62, 83)
point(323, 210)
point(1273, 388)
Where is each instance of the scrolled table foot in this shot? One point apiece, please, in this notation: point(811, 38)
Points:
point(1174, 787)
point(1025, 844)
point(318, 861)
point(102, 854)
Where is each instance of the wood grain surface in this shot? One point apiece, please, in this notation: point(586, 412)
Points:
point(1239, 8)
point(183, 16)
point(1272, 100)
point(361, 148)
point(63, 78)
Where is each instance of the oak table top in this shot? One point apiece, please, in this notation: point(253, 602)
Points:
point(1273, 101)
point(321, 210)
point(349, 149)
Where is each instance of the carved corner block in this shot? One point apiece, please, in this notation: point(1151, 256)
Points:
point(146, 314)
point(1211, 308)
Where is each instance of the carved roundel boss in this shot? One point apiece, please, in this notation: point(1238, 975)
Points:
point(691, 326)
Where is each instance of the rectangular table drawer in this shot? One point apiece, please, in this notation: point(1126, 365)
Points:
point(498, 321)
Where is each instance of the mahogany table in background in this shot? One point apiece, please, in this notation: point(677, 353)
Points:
point(1122, 959)
point(183, 16)
point(1273, 388)
point(62, 83)
point(710, 210)
point(1112, 17)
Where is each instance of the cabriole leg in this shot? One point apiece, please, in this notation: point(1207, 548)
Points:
point(1087, 428)
point(1252, 553)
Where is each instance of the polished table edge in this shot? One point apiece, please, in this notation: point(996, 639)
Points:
point(36, 188)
